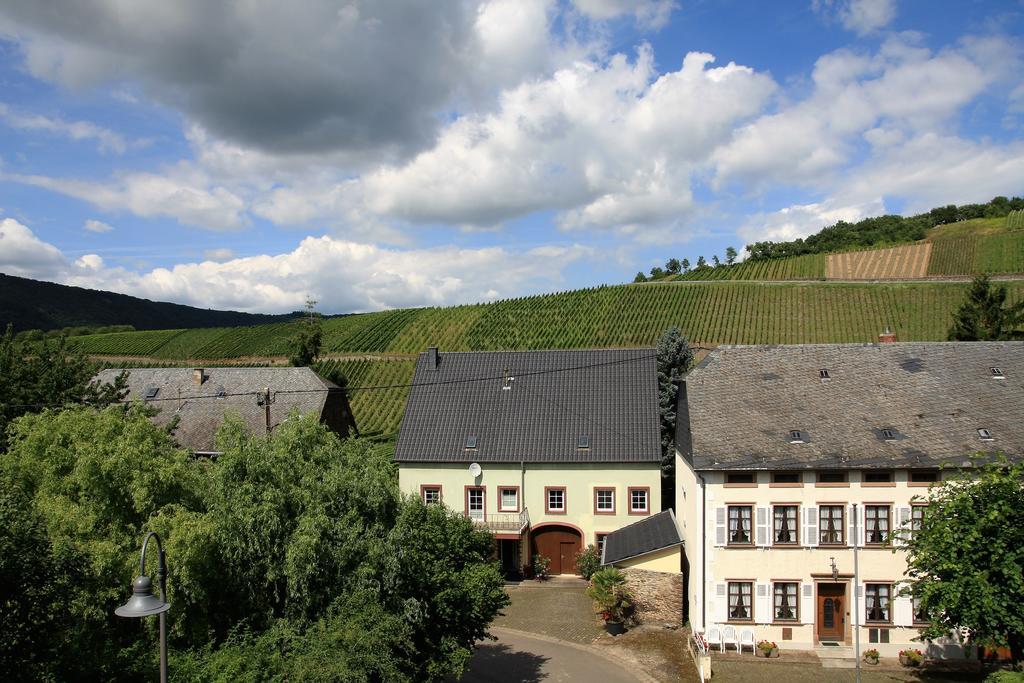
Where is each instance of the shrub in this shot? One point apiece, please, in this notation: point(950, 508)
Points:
point(912, 656)
point(1005, 677)
point(608, 590)
point(766, 646)
point(588, 561)
point(540, 566)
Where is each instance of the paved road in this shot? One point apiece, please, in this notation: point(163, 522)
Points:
point(521, 658)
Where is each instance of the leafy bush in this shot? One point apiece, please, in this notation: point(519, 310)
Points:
point(588, 561)
point(541, 563)
point(1005, 677)
point(608, 590)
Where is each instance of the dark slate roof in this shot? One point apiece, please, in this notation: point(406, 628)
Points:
point(611, 396)
point(656, 532)
point(740, 403)
point(199, 418)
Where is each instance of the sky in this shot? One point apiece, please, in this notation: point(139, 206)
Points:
point(379, 154)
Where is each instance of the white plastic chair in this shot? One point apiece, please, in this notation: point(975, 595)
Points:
point(714, 637)
point(746, 638)
point(729, 638)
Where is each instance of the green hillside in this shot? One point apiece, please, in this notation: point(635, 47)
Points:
point(619, 316)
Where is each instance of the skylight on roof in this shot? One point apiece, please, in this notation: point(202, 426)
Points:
point(888, 434)
point(471, 441)
point(583, 442)
point(796, 436)
point(985, 435)
point(997, 373)
point(221, 393)
point(823, 374)
point(151, 392)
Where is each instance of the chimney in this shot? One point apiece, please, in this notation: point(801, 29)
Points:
point(432, 358)
point(887, 337)
point(198, 377)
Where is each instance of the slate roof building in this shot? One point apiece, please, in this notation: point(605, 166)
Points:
point(551, 450)
point(788, 457)
point(200, 398)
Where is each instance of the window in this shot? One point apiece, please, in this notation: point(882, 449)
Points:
point(431, 494)
point(740, 608)
point(151, 392)
point(920, 613)
point(796, 436)
point(985, 435)
point(876, 601)
point(508, 500)
point(600, 543)
point(741, 478)
point(877, 476)
point(876, 524)
point(916, 518)
point(604, 501)
point(583, 442)
point(475, 503)
point(889, 434)
point(784, 525)
point(997, 373)
point(786, 478)
point(832, 477)
point(554, 499)
point(639, 501)
point(784, 601)
point(823, 374)
point(739, 524)
point(471, 441)
point(830, 525)
point(924, 476)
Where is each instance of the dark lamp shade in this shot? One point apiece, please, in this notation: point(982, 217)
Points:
point(142, 603)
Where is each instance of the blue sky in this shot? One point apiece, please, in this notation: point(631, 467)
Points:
point(386, 154)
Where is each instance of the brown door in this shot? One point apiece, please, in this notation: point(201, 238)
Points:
point(559, 544)
point(831, 616)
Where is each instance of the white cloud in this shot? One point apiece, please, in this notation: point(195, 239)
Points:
point(867, 16)
point(801, 220)
point(93, 225)
point(182, 193)
point(344, 276)
point(107, 140)
point(24, 254)
point(648, 13)
point(223, 254)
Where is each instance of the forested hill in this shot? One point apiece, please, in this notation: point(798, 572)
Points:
point(32, 304)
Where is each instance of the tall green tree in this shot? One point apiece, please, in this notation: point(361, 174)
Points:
point(730, 255)
point(672, 266)
point(985, 315)
point(640, 277)
point(305, 345)
point(686, 265)
point(701, 262)
point(39, 374)
point(966, 559)
point(674, 359)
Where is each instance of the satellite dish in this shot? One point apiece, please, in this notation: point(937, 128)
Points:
point(475, 470)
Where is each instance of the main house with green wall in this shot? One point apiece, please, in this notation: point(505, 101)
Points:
point(549, 450)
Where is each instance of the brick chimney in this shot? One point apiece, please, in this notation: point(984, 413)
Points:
point(432, 358)
point(887, 337)
point(198, 377)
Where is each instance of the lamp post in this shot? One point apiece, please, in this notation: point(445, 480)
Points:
point(144, 604)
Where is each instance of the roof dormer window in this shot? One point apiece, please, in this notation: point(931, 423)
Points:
point(583, 441)
point(997, 373)
point(471, 441)
point(824, 375)
point(889, 434)
point(796, 436)
point(985, 434)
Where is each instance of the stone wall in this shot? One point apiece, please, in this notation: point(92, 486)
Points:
point(658, 595)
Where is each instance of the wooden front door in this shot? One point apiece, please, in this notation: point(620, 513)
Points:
point(831, 612)
point(559, 544)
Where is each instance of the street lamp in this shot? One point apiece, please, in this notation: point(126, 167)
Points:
point(144, 604)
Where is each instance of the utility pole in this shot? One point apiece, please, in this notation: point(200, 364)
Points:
point(856, 584)
point(264, 398)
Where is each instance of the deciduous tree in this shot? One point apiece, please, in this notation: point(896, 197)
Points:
point(730, 255)
point(306, 343)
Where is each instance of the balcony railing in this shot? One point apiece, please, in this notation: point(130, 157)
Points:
point(514, 522)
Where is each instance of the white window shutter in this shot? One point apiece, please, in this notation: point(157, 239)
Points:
point(720, 526)
point(902, 526)
point(811, 526)
point(762, 604)
point(854, 526)
point(720, 611)
point(807, 610)
point(903, 611)
point(762, 526)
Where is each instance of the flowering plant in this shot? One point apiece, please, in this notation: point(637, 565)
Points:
point(766, 645)
point(871, 654)
point(911, 657)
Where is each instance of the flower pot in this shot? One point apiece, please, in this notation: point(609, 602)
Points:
point(871, 660)
point(768, 654)
point(615, 628)
point(907, 661)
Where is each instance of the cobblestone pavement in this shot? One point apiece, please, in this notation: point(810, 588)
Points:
point(558, 608)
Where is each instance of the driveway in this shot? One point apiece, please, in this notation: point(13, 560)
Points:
point(558, 608)
point(520, 657)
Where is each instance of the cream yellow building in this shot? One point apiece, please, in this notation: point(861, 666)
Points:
point(790, 459)
point(550, 450)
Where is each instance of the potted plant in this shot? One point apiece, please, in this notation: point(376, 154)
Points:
point(608, 590)
point(871, 656)
point(768, 648)
point(911, 657)
point(540, 567)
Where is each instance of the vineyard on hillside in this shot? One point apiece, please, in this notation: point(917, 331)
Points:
point(807, 267)
point(378, 411)
point(967, 254)
point(1015, 220)
point(907, 261)
point(627, 315)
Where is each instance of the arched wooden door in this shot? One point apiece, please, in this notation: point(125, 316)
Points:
point(560, 544)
